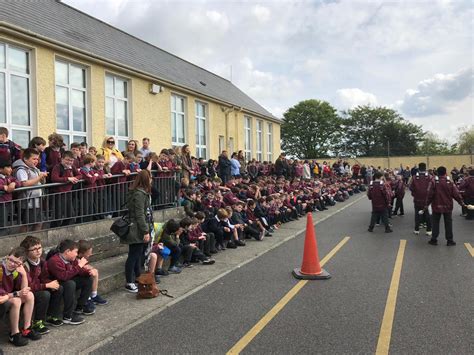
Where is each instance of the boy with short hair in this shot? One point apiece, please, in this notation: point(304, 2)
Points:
point(85, 251)
point(380, 198)
point(15, 293)
point(76, 151)
point(9, 150)
point(39, 144)
point(8, 184)
point(47, 292)
point(73, 275)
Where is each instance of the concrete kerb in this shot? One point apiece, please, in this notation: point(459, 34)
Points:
point(151, 314)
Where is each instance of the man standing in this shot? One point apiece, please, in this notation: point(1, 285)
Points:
point(419, 190)
point(145, 149)
point(441, 193)
point(380, 198)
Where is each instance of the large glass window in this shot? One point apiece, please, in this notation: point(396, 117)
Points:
point(259, 140)
point(269, 142)
point(201, 129)
point(71, 113)
point(178, 119)
point(248, 137)
point(15, 112)
point(116, 109)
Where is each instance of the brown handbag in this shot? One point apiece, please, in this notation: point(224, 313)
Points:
point(147, 287)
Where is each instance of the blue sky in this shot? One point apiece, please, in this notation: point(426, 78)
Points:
point(414, 56)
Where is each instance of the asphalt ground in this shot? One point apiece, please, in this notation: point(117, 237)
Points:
point(434, 310)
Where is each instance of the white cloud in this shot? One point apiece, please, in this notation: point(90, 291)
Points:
point(282, 52)
point(262, 13)
point(438, 94)
point(349, 98)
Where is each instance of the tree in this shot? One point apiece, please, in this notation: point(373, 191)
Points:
point(432, 144)
point(309, 129)
point(466, 140)
point(378, 131)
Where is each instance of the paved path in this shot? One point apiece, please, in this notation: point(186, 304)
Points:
point(434, 305)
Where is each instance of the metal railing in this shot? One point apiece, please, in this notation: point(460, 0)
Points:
point(45, 206)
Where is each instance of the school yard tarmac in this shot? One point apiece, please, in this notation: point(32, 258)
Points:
point(388, 293)
point(433, 308)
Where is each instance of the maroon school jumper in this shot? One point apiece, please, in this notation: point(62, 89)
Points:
point(442, 191)
point(419, 188)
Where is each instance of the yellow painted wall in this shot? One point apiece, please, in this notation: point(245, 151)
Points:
point(449, 161)
point(150, 114)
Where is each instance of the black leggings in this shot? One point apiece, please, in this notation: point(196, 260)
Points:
point(136, 253)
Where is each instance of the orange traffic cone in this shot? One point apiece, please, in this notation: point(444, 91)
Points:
point(310, 268)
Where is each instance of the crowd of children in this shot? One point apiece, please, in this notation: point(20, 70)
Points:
point(32, 288)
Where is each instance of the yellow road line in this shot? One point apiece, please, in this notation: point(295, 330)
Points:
point(262, 323)
point(470, 249)
point(383, 344)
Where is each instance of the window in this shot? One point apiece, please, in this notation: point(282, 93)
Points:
point(71, 93)
point(269, 142)
point(259, 140)
point(177, 120)
point(15, 112)
point(116, 109)
point(248, 137)
point(201, 135)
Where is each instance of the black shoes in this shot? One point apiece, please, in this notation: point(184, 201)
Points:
point(450, 243)
point(371, 229)
point(433, 242)
point(389, 230)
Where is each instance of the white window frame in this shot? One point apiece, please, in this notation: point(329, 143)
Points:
point(259, 147)
point(119, 138)
point(269, 141)
point(221, 144)
point(248, 137)
point(199, 146)
point(8, 104)
point(174, 113)
point(70, 133)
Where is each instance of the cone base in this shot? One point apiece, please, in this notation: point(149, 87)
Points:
point(324, 275)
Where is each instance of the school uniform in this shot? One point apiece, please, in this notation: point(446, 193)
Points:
point(380, 199)
point(64, 203)
point(419, 190)
point(71, 277)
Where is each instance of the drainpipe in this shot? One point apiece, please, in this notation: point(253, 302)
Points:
point(226, 111)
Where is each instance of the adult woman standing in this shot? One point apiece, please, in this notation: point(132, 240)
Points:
point(141, 219)
point(110, 153)
point(132, 147)
point(186, 162)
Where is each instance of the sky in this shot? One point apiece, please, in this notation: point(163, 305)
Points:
point(413, 56)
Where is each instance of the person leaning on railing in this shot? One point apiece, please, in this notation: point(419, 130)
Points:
point(27, 172)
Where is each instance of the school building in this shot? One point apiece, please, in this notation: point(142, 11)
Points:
point(63, 71)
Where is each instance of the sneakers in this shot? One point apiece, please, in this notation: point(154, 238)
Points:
point(174, 270)
point(450, 243)
point(416, 232)
point(99, 300)
point(31, 334)
point(429, 233)
point(268, 234)
point(388, 230)
point(162, 272)
point(74, 320)
point(187, 264)
point(157, 279)
point(240, 243)
point(131, 288)
point(18, 339)
point(433, 242)
point(40, 328)
point(55, 322)
point(208, 261)
point(89, 308)
point(231, 245)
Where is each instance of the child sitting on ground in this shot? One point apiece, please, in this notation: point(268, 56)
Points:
point(85, 251)
point(15, 295)
point(47, 292)
point(72, 274)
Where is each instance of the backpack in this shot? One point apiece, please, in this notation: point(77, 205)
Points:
point(147, 287)
point(52, 252)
